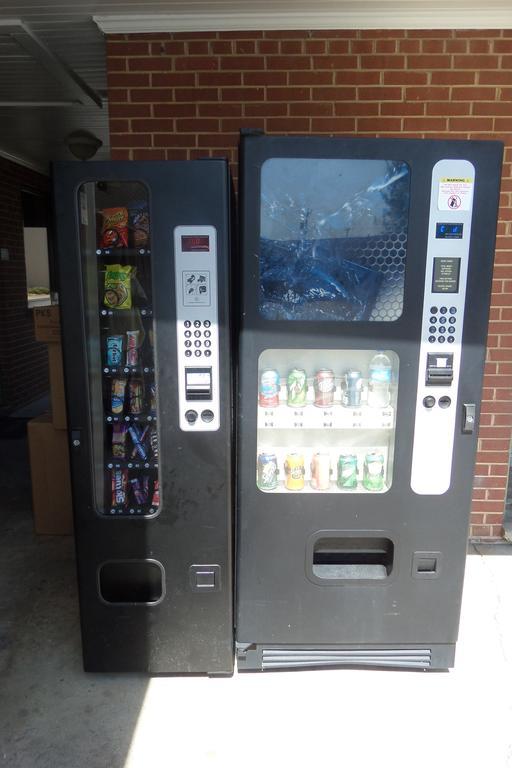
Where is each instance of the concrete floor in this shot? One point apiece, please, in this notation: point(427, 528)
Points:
point(52, 715)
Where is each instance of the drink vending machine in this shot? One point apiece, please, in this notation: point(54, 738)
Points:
point(143, 254)
point(366, 278)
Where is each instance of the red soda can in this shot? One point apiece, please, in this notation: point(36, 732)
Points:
point(321, 471)
point(270, 385)
point(324, 387)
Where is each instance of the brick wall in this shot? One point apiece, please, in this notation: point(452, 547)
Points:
point(23, 361)
point(187, 95)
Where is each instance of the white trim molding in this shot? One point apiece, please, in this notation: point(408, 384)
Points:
point(373, 14)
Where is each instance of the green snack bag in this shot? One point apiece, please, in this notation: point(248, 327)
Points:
point(118, 287)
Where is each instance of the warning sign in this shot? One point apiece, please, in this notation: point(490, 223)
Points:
point(455, 194)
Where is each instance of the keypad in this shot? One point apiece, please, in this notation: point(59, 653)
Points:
point(438, 328)
point(201, 336)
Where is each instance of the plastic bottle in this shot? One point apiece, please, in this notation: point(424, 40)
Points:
point(379, 381)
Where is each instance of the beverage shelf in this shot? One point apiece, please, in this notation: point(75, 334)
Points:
point(335, 417)
point(333, 488)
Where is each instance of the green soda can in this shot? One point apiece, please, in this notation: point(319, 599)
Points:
point(347, 471)
point(297, 388)
point(373, 471)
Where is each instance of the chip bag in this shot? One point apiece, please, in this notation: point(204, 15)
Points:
point(118, 286)
point(139, 223)
point(114, 230)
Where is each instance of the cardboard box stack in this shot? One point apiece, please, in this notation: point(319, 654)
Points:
point(48, 438)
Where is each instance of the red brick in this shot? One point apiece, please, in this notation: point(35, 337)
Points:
point(172, 79)
point(277, 109)
point(197, 125)
point(128, 80)
point(502, 46)
point(288, 124)
point(265, 78)
point(353, 77)
point(238, 63)
point(314, 46)
point(381, 93)
point(430, 93)
point(448, 108)
point(129, 110)
point(383, 62)
point(219, 78)
point(402, 108)
point(287, 62)
point(386, 46)
point(288, 94)
point(429, 61)
point(198, 48)
point(133, 140)
point(267, 46)
point(334, 62)
point(196, 63)
point(309, 78)
point(242, 94)
point(333, 124)
point(453, 78)
point(308, 108)
point(124, 48)
point(152, 95)
point(333, 94)
point(362, 46)
point(150, 64)
point(291, 46)
point(148, 154)
point(355, 109)
point(379, 124)
point(196, 94)
point(470, 124)
point(433, 46)
point(219, 110)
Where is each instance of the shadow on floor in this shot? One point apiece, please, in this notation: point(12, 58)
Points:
point(52, 714)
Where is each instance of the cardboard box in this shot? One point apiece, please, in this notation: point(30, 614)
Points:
point(57, 392)
point(47, 323)
point(51, 482)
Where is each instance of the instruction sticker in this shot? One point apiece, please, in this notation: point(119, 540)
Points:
point(455, 194)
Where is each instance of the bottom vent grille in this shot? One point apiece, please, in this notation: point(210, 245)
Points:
point(275, 658)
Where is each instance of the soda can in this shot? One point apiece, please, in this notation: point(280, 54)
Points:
point(114, 351)
point(269, 388)
point(268, 473)
point(373, 471)
point(297, 388)
point(347, 471)
point(321, 471)
point(352, 390)
point(324, 388)
point(135, 396)
point(294, 471)
point(132, 347)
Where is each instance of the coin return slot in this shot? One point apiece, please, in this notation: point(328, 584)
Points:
point(198, 383)
point(352, 558)
point(426, 565)
point(131, 582)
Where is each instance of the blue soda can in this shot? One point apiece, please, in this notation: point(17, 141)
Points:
point(268, 473)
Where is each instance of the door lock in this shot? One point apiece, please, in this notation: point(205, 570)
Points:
point(468, 418)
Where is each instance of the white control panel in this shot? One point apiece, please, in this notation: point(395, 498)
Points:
point(197, 328)
point(449, 232)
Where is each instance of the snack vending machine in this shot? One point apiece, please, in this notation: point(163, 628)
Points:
point(143, 254)
point(366, 281)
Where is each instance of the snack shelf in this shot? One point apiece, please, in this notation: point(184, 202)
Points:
point(132, 511)
point(140, 418)
point(127, 369)
point(130, 464)
point(336, 416)
point(128, 252)
point(144, 311)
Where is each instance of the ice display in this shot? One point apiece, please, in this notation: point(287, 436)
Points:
point(333, 239)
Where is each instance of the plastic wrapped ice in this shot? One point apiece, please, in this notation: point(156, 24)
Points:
point(334, 249)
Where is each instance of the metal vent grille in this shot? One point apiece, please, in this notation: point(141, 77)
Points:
point(414, 658)
point(385, 254)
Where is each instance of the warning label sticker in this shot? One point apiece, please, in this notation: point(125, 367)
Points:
point(455, 194)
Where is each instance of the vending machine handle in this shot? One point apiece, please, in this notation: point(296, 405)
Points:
point(468, 418)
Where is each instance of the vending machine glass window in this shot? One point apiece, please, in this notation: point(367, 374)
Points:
point(114, 225)
point(326, 420)
point(333, 239)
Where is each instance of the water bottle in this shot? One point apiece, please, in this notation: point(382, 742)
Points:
point(379, 381)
